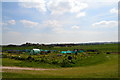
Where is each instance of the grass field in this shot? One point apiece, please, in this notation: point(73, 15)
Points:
point(97, 66)
point(108, 69)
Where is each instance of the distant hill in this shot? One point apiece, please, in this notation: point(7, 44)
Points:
point(60, 44)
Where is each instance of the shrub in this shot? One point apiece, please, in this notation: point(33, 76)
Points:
point(30, 59)
point(55, 62)
point(4, 56)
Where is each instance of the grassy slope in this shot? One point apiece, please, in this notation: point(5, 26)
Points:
point(107, 69)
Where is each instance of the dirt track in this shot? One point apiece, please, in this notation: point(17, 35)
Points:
point(24, 68)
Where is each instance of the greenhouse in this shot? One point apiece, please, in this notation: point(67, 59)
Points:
point(35, 51)
point(66, 51)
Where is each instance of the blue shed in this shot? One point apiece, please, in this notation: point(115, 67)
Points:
point(63, 51)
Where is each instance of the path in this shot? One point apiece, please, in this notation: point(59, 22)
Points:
point(24, 68)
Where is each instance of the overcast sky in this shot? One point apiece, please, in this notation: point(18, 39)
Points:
point(56, 21)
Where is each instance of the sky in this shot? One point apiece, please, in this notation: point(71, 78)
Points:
point(59, 21)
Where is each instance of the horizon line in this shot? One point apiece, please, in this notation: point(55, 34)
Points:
point(62, 42)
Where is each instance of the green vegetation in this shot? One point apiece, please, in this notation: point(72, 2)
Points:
point(83, 65)
point(82, 59)
point(12, 62)
point(108, 69)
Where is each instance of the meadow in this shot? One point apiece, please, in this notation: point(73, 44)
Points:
point(83, 65)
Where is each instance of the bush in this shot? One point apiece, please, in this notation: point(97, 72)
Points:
point(30, 59)
point(65, 63)
point(4, 56)
point(55, 62)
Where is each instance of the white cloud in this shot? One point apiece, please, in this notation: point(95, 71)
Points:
point(75, 27)
point(58, 6)
point(37, 4)
point(52, 23)
point(28, 23)
point(59, 26)
point(105, 24)
point(77, 6)
point(80, 14)
point(9, 22)
point(12, 22)
point(55, 25)
point(64, 6)
point(114, 10)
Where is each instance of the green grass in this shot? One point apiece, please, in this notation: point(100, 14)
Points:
point(92, 60)
point(108, 69)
